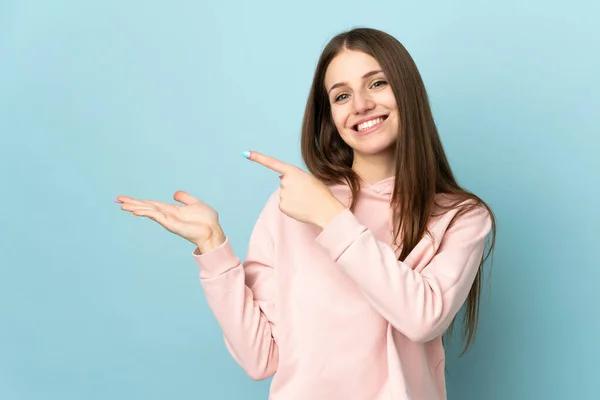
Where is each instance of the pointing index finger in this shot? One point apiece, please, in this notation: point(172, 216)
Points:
point(269, 162)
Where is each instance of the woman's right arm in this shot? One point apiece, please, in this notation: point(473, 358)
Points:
point(241, 295)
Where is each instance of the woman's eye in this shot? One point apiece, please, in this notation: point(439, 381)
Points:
point(379, 83)
point(341, 97)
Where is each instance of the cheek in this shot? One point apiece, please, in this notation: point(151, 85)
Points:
point(339, 119)
point(389, 101)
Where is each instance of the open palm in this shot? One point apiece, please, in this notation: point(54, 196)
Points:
point(194, 220)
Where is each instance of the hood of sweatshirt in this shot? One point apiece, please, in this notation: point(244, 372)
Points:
point(382, 189)
point(373, 199)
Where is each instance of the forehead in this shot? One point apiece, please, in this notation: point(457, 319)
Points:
point(348, 66)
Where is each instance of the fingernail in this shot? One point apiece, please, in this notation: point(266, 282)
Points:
point(118, 201)
point(246, 154)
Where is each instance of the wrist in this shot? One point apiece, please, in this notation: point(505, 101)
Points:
point(216, 239)
point(330, 212)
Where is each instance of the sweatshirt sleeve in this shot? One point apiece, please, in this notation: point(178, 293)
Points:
point(421, 305)
point(240, 296)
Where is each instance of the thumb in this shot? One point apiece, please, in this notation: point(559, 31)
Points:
point(184, 198)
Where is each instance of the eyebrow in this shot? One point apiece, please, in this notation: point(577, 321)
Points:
point(365, 76)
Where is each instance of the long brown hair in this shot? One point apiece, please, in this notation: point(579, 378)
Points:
point(422, 169)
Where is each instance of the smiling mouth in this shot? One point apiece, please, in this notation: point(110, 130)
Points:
point(369, 124)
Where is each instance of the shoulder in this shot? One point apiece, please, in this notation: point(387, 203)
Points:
point(270, 208)
point(267, 222)
point(454, 214)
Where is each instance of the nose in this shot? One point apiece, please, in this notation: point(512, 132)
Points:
point(362, 103)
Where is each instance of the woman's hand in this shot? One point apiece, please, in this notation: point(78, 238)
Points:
point(302, 196)
point(194, 221)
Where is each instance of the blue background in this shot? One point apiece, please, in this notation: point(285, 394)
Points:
point(101, 98)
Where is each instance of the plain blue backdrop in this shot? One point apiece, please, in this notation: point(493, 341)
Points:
point(102, 98)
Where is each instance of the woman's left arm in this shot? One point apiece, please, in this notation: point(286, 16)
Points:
point(422, 304)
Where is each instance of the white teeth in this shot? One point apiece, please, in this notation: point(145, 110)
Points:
point(368, 124)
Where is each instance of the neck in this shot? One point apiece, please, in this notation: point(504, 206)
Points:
point(374, 168)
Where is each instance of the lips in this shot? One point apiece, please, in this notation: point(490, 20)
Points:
point(368, 123)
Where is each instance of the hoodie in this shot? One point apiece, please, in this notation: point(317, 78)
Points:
point(333, 314)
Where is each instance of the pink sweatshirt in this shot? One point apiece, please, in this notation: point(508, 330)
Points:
point(333, 314)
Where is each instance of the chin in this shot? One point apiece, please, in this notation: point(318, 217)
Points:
point(374, 151)
point(373, 146)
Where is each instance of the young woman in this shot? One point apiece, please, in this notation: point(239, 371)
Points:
point(356, 270)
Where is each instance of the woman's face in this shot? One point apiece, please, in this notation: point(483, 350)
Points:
point(363, 107)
